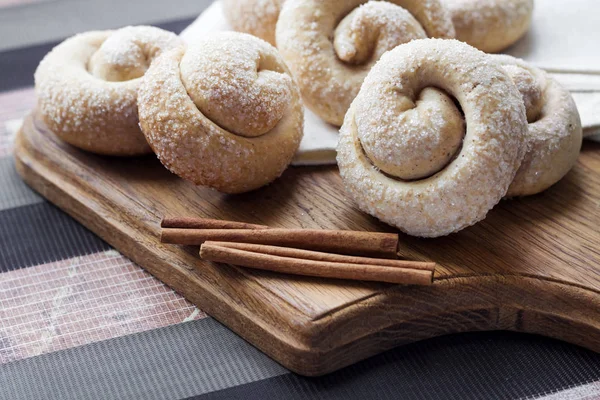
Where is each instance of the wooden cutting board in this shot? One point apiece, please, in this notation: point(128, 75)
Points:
point(532, 266)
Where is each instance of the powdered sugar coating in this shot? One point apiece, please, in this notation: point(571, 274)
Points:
point(372, 29)
point(239, 85)
point(127, 52)
point(490, 25)
point(410, 139)
point(85, 110)
point(256, 17)
point(553, 138)
point(314, 38)
point(470, 185)
point(529, 85)
point(198, 149)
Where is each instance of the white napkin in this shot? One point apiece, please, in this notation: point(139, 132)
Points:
point(563, 40)
point(549, 44)
point(12, 127)
point(563, 37)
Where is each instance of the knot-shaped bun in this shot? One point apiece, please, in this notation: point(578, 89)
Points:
point(407, 104)
point(330, 46)
point(415, 137)
point(256, 17)
point(529, 83)
point(242, 89)
point(372, 29)
point(87, 87)
point(490, 25)
point(554, 133)
point(224, 113)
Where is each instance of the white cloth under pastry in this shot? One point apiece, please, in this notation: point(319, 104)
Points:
point(563, 40)
point(12, 127)
point(563, 37)
point(585, 89)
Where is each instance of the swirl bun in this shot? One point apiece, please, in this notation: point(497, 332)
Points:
point(87, 87)
point(224, 113)
point(330, 46)
point(405, 106)
point(554, 134)
point(256, 17)
point(490, 25)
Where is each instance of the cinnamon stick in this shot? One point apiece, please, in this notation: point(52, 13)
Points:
point(357, 243)
point(327, 269)
point(205, 223)
point(321, 256)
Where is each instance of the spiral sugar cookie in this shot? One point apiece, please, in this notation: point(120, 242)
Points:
point(256, 17)
point(330, 46)
point(87, 87)
point(405, 154)
point(490, 25)
point(554, 134)
point(224, 113)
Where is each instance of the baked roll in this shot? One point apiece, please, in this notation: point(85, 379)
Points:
point(407, 156)
point(86, 87)
point(330, 46)
point(490, 25)
point(554, 133)
point(255, 17)
point(224, 113)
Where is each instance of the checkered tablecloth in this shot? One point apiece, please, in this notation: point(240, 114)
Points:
point(79, 320)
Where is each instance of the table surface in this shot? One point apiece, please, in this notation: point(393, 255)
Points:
point(68, 299)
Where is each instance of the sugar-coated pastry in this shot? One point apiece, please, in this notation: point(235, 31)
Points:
point(224, 113)
point(406, 155)
point(87, 87)
point(330, 46)
point(554, 134)
point(490, 25)
point(256, 17)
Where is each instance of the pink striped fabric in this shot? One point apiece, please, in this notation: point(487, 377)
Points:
point(80, 300)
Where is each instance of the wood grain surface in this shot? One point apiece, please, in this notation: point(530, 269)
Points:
point(532, 266)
